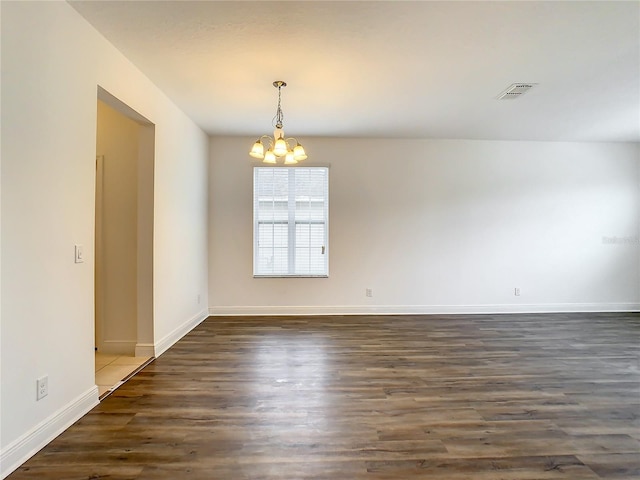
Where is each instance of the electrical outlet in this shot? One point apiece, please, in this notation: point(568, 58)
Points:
point(516, 291)
point(368, 292)
point(42, 385)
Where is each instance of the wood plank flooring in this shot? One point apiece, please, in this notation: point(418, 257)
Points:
point(499, 397)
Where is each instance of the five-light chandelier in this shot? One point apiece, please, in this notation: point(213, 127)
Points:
point(278, 146)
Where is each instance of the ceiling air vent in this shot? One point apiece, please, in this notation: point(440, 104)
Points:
point(516, 90)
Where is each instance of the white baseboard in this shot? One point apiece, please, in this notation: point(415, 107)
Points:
point(20, 450)
point(423, 309)
point(145, 350)
point(168, 340)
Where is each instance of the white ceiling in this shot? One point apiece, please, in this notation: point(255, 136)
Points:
point(390, 68)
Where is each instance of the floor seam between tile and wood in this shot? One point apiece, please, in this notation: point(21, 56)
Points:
point(112, 370)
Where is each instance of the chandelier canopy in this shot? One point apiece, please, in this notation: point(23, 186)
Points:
point(278, 146)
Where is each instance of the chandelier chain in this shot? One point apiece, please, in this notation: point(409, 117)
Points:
point(279, 117)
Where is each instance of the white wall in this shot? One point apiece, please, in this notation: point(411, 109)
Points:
point(117, 264)
point(443, 226)
point(52, 63)
point(145, 343)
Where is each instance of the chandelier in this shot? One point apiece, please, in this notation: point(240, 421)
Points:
point(278, 146)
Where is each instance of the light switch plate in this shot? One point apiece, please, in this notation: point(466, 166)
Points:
point(79, 254)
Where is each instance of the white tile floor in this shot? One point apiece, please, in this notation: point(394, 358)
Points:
point(112, 369)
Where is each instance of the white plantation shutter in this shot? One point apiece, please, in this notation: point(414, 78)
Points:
point(290, 221)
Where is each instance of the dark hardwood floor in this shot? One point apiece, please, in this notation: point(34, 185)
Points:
point(499, 397)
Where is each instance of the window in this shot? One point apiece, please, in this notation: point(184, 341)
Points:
point(290, 221)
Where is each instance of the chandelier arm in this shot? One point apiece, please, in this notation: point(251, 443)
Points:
point(268, 138)
point(291, 138)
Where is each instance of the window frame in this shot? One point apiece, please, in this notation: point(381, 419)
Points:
point(291, 224)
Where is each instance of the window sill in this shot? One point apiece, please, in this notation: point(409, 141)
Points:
point(291, 276)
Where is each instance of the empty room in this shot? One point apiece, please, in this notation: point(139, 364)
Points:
point(320, 240)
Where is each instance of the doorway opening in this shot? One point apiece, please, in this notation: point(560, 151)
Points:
point(125, 152)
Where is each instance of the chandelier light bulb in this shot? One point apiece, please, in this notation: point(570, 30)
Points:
point(269, 157)
point(289, 160)
point(280, 147)
point(299, 153)
point(258, 150)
